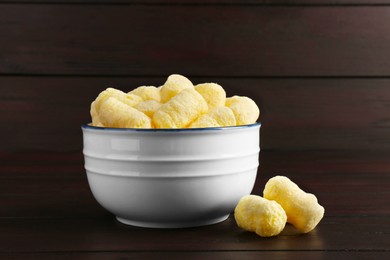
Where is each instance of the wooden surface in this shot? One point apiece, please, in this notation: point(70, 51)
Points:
point(48, 212)
point(319, 71)
point(200, 40)
point(296, 114)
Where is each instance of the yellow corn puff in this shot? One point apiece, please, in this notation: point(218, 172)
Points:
point(94, 115)
point(174, 85)
point(128, 99)
point(97, 123)
point(302, 209)
point(204, 121)
point(256, 214)
point(147, 93)
point(181, 110)
point(148, 107)
point(103, 96)
point(115, 113)
point(245, 109)
point(213, 93)
point(218, 117)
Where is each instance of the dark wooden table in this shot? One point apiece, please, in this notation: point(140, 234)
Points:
point(48, 212)
point(319, 70)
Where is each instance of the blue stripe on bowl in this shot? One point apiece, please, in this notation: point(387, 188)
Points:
point(87, 126)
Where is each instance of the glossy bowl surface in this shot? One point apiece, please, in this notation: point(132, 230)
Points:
point(171, 178)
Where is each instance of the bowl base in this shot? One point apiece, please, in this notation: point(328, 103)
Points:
point(172, 225)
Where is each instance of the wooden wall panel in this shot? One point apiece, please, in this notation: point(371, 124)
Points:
point(197, 40)
point(319, 70)
point(208, 2)
point(46, 112)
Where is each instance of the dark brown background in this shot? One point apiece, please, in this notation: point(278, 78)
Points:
point(319, 70)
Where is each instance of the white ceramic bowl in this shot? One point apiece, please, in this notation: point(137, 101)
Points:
point(171, 178)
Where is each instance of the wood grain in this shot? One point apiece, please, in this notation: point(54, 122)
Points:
point(45, 113)
point(228, 255)
point(207, 2)
point(75, 235)
point(319, 70)
point(55, 185)
point(199, 40)
point(50, 213)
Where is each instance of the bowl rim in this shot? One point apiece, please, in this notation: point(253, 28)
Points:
point(223, 128)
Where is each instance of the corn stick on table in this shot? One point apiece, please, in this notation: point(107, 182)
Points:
point(48, 212)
